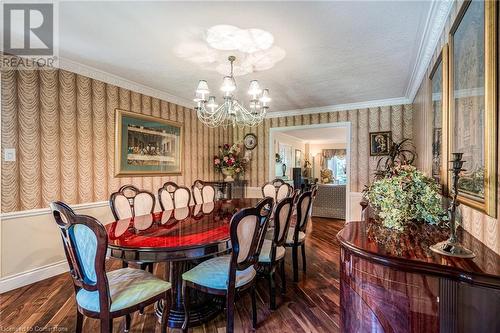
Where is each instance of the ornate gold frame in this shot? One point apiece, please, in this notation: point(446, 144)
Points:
point(443, 60)
point(487, 206)
point(118, 143)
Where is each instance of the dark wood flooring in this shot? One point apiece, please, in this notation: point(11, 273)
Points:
point(311, 305)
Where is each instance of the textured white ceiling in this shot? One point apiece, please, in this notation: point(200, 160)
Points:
point(336, 52)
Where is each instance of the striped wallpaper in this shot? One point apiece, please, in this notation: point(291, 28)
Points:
point(62, 127)
point(397, 118)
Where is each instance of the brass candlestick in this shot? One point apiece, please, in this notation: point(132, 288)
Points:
point(451, 246)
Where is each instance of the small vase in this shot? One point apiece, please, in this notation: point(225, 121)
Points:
point(228, 175)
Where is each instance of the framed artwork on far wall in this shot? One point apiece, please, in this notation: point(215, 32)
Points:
point(380, 143)
point(473, 104)
point(147, 146)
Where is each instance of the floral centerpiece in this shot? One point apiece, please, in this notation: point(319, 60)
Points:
point(230, 161)
point(405, 195)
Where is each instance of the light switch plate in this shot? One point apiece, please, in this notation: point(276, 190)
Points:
point(9, 155)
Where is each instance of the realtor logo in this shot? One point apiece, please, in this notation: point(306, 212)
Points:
point(28, 29)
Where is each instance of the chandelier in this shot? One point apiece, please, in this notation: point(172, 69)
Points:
point(231, 112)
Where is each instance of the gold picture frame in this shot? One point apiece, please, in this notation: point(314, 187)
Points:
point(485, 202)
point(440, 135)
point(149, 146)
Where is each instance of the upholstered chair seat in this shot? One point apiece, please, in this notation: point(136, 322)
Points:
point(99, 294)
point(127, 287)
point(214, 273)
point(265, 252)
point(289, 237)
point(236, 272)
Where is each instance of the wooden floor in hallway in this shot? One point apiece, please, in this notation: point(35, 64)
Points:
point(311, 305)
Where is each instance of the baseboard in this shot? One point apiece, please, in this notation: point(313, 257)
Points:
point(34, 275)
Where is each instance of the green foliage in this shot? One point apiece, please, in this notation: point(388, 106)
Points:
point(400, 153)
point(404, 196)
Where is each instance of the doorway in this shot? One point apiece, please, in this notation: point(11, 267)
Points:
point(322, 152)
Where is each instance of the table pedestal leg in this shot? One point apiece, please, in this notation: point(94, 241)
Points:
point(202, 307)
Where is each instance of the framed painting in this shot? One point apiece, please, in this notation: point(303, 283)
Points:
point(472, 101)
point(439, 100)
point(298, 158)
point(380, 143)
point(146, 145)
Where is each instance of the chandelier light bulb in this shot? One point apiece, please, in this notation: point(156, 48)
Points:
point(211, 102)
point(228, 84)
point(254, 88)
point(202, 87)
point(265, 98)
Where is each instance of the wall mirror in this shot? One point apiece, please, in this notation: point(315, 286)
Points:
point(439, 100)
point(472, 101)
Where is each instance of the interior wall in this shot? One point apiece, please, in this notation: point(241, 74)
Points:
point(62, 127)
point(293, 142)
point(481, 226)
point(396, 118)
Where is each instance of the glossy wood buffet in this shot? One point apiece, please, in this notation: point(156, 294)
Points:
point(392, 282)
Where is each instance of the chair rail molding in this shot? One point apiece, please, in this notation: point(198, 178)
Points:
point(43, 211)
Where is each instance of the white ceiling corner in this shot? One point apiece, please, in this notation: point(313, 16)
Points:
point(109, 78)
point(436, 21)
point(340, 107)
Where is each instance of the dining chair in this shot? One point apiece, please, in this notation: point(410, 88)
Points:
point(297, 234)
point(277, 189)
point(231, 274)
point(102, 295)
point(173, 196)
point(272, 254)
point(128, 202)
point(202, 192)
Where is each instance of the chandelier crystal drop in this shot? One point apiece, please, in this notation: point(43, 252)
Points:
point(231, 112)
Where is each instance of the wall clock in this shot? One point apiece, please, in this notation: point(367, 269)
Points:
point(250, 141)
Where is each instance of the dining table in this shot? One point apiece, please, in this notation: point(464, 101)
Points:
point(182, 238)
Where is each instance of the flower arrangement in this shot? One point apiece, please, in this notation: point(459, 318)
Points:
point(404, 196)
point(230, 161)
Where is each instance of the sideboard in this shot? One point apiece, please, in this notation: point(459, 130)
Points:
point(392, 282)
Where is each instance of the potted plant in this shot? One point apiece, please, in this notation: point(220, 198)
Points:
point(230, 161)
point(405, 196)
point(401, 194)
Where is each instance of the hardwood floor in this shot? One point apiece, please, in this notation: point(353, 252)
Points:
point(311, 305)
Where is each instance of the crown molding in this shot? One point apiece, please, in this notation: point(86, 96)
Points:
point(100, 75)
point(340, 107)
point(436, 20)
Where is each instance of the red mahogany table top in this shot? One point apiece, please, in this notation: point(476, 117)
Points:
point(181, 228)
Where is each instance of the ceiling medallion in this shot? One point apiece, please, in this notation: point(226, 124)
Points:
point(231, 112)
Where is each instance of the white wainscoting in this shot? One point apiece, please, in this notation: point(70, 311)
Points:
point(31, 244)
